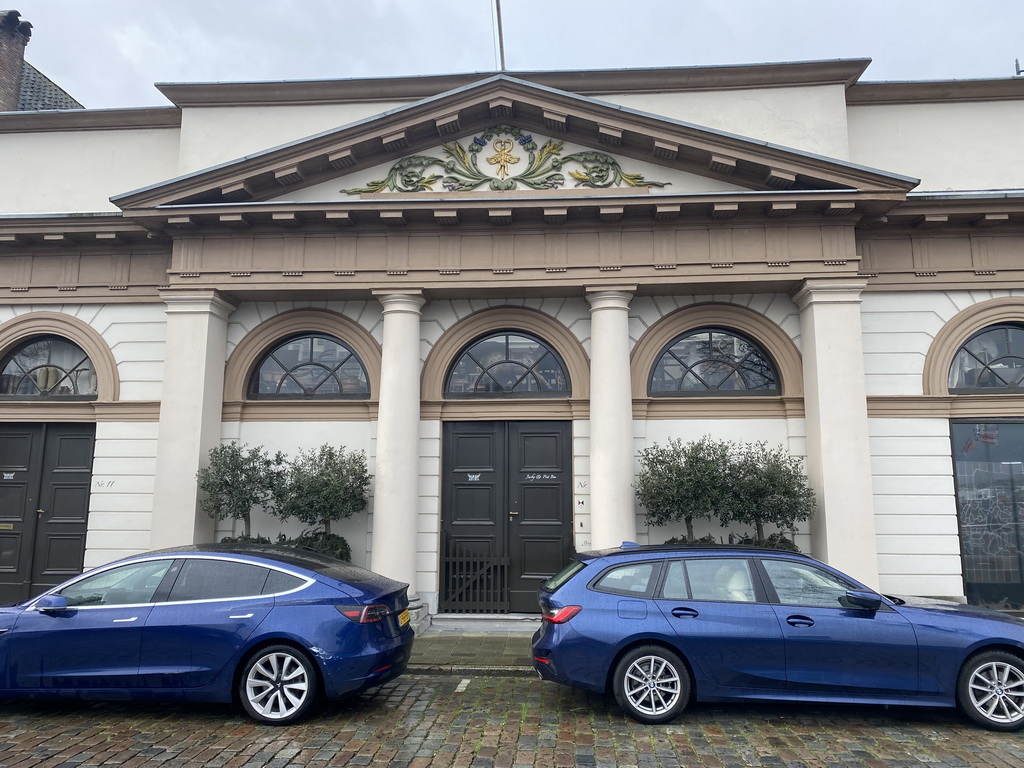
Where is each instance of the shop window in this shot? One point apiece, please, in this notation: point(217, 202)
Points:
point(508, 364)
point(310, 367)
point(47, 367)
point(712, 361)
point(992, 359)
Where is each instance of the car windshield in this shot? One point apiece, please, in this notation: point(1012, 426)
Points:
point(556, 581)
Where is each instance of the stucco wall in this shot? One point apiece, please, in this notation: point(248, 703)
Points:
point(975, 145)
point(77, 171)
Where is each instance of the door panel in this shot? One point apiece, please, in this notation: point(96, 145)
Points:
point(44, 503)
point(506, 513)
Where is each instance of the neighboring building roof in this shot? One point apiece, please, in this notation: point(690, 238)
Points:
point(39, 92)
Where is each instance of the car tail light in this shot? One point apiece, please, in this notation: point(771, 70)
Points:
point(364, 614)
point(560, 615)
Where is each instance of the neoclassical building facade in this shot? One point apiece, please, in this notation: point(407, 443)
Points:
point(502, 288)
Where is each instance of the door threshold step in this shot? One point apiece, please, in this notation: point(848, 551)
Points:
point(485, 622)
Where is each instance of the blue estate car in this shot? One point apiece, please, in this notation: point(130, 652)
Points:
point(270, 627)
point(661, 626)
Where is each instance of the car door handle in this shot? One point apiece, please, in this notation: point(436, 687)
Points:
point(241, 616)
point(800, 621)
point(125, 621)
point(685, 613)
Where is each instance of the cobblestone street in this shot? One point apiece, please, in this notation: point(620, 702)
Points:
point(480, 722)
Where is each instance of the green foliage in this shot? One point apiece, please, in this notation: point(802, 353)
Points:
point(745, 483)
point(324, 485)
point(237, 480)
point(330, 544)
point(684, 481)
point(770, 488)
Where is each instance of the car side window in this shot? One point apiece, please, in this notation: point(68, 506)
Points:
point(202, 579)
point(279, 582)
point(725, 579)
point(632, 579)
point(804, 584)
point(129, 584)
point(676, 586)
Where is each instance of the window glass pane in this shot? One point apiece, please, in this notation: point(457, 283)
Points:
point(47, 367)
point(676, 587)
point(278, 582)
point(507, 364)
point(711, 361)
point(308, 367)
point(215, 579)
point(631, 579)
point(720, 579)
point(990, 360)
point(800, 584)
point(126, 585)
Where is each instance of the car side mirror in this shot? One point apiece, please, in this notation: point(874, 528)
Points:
point(52, 604)
point(856, 598)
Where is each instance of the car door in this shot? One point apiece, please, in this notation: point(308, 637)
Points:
point(724, 623)
point(832, 646)
point(214, 605)
point(93, 644)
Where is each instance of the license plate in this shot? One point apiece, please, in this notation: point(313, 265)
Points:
point(403, 618)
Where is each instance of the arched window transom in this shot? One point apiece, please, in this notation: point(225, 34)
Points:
point(47, 367)
point(991, 359)
point(508, 364)
point(310, 367)
point(713, 361)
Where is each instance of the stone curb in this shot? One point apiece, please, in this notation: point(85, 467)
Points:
point(458, 669)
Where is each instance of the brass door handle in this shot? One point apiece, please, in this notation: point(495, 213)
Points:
point(40, 512)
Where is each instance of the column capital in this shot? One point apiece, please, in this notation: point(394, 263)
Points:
point(829, 292)
point(212, 302)
point(610, 298)
point(400, 302)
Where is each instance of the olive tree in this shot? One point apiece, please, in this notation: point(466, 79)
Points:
point(324, 485)
point(236, 480)
point(770, 488)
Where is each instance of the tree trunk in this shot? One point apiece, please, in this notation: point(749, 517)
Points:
point(759, 527)
point(245, 526)
point(689, 529)
point(327, 528)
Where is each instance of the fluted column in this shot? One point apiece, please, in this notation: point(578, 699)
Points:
point(612, 517)
point(190, 414)
point(395, 496)
point(835, 404)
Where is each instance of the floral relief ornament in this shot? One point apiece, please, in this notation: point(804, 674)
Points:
point(543, 169)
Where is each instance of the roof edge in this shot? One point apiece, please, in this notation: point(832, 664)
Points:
point(843, 72)
point(90, 119)
point(935, 91)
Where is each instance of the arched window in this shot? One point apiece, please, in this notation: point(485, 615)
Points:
point(991, 359)
point(508, 364)
point(47, 367)
point(310, 366)
point(712, 361)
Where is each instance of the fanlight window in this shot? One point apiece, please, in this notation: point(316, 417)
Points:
point(310, 367)
point(47, 367)
point(713, 361)
point(990, 359)
point(508, 364)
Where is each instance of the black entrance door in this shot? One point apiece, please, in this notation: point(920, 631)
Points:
point(45, 474)
point(506, 513)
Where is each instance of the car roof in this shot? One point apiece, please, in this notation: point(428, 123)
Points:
point(629, 548)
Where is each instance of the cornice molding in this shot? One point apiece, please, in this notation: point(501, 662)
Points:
point(149, 118)
point(589, 82)
point(935, 92)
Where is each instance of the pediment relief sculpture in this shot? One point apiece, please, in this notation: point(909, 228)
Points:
point(512, 160)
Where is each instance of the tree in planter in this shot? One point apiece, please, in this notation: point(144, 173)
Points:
point(237, 480)
point(770, 488)
point(685, 481)
point(320, 487)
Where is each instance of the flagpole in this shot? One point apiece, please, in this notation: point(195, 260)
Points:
point(501, 36)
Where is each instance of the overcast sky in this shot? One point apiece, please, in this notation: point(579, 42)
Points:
point(108, 53)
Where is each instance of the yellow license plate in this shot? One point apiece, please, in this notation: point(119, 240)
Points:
point(403, 618)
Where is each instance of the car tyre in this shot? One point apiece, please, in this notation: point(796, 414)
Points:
point(990, 690)
point(652, 684)
point(278, 685)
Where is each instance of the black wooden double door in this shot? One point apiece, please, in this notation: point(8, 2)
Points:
point(45, 477)
point(506, 513)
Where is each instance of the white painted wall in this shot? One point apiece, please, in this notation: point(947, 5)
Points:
point(973, 145)
point(810, 118)
point(77, 171)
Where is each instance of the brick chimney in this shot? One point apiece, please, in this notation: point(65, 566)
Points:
point(14, 35)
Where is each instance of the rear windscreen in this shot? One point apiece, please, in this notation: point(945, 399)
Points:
point(556, 581)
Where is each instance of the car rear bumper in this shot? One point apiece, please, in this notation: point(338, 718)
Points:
point(374, 665)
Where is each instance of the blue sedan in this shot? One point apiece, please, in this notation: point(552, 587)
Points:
point(662, 626)
point(273, 628)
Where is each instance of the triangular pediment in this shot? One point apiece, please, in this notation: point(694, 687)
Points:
point(480, 139)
